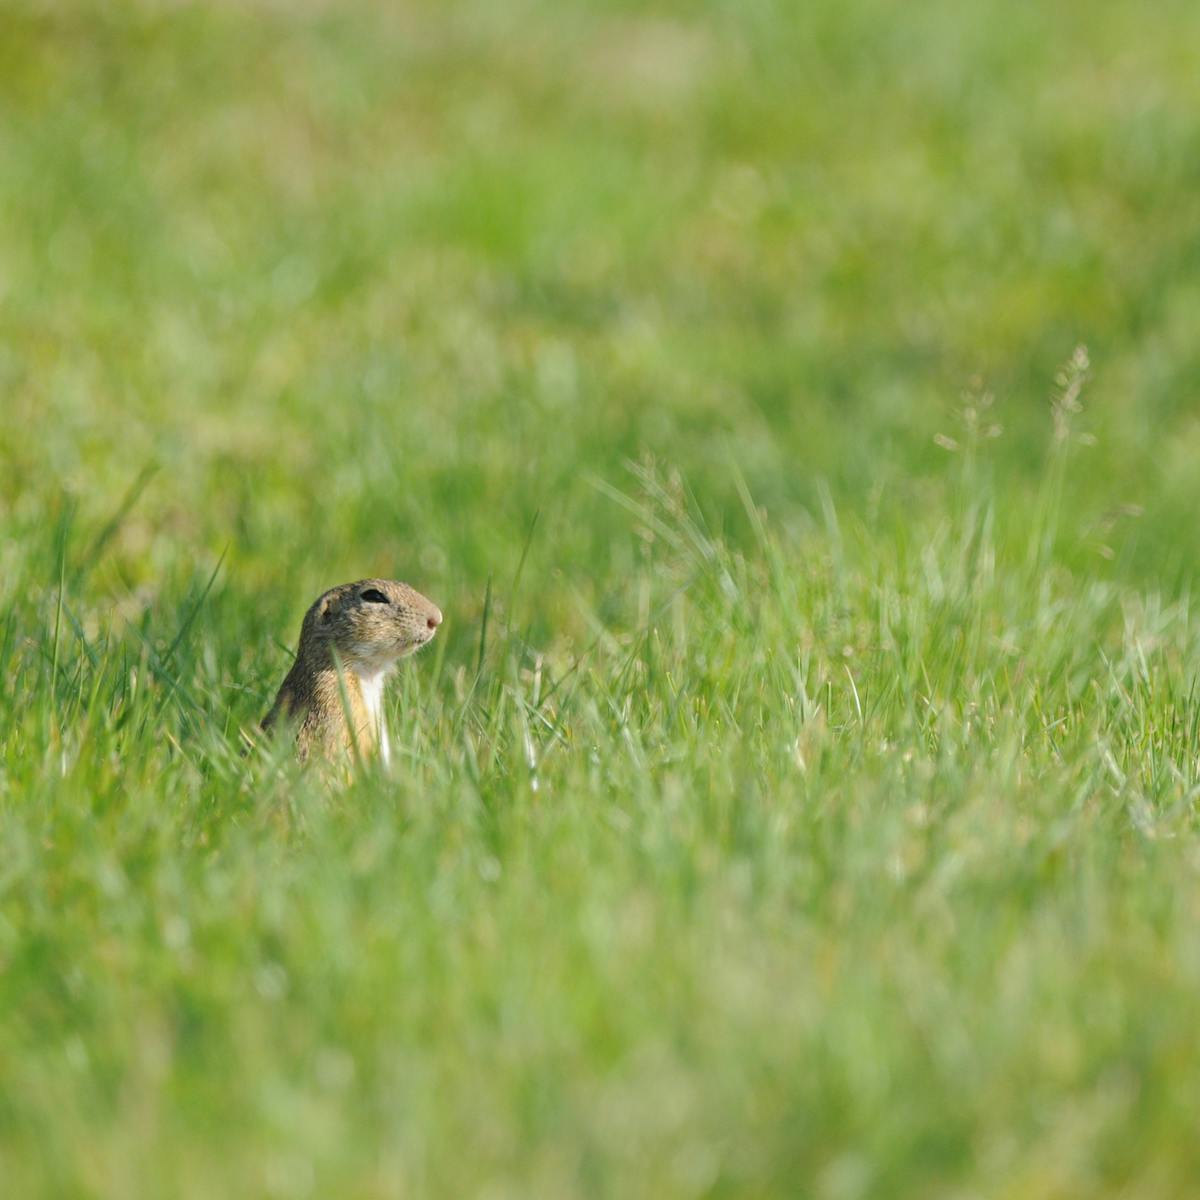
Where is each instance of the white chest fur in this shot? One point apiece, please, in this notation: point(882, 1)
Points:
point(372, 694)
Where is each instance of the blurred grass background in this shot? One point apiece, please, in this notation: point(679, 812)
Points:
point(813, 812)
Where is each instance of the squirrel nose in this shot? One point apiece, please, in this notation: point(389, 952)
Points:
point(434, 619)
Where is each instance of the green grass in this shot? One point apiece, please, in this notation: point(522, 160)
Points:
point(801, 797)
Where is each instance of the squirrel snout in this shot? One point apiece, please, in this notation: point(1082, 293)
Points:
point(434, 619)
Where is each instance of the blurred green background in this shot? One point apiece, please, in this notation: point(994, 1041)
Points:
point(696, 358)
point(389, 279)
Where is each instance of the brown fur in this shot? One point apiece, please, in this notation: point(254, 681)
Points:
point(344, 640)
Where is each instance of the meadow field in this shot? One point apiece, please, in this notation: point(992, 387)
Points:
point(794, 409)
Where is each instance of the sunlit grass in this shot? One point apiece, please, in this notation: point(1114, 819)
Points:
point(800, 796)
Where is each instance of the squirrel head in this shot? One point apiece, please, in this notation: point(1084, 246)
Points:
point(370, 624)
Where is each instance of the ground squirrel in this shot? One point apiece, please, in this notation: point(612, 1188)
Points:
point(350, 641)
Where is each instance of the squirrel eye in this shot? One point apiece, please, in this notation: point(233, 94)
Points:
point(374, 596)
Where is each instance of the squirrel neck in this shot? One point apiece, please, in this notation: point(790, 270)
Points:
point(351, 695)
point(370, 686)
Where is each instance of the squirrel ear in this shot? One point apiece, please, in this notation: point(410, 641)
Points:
point(324, 609)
